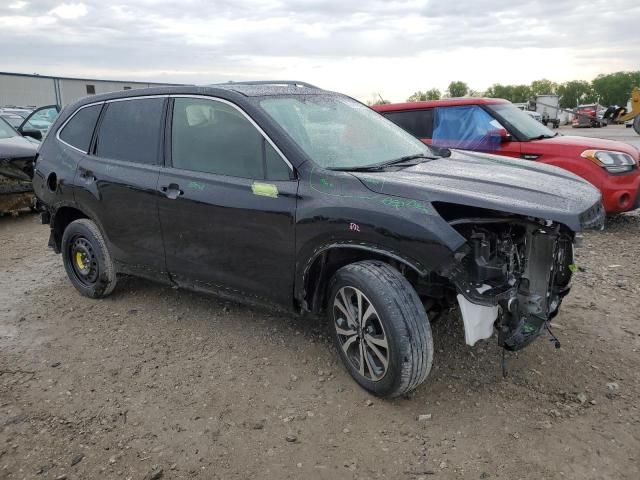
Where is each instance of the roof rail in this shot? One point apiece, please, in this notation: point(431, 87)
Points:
point(294, 83)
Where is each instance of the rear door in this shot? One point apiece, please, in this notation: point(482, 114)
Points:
point(117, 182)
point(228, 204)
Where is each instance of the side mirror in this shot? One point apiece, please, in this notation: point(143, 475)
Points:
point(31, 132)
point(503, 135)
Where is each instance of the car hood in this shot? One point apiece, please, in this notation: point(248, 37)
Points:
point(16, 157)
point(586, 143)
point(496, 183)
point(17, 147)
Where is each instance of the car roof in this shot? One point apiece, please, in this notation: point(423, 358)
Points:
point(267, 90)
point(249, 89)
point(445, 102)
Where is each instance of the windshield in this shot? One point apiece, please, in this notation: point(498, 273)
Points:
point(527, 126)
point(14, 120)
point(5, 129)
point(337, 132)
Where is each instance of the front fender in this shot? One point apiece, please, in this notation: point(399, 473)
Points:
point(303, 267)
point(337, 211)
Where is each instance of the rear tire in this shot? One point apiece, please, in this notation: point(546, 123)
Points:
point(636, 124)
point(380, 328)
point(87, 259)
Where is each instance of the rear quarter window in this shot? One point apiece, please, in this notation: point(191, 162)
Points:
point(130, 130)
point(418, 123)
point(79, 130)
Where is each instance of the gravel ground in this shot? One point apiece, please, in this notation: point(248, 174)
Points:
point(156, 382)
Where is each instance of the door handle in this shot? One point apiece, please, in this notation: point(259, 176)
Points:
point(172, 190)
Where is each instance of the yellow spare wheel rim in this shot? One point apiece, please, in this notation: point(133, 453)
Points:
point(80, 261)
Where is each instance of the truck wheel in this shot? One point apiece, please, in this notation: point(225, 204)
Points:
point(87, 260)
point(636, 124)
point(380, 328)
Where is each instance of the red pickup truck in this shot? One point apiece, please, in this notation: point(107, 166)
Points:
point(497, 126)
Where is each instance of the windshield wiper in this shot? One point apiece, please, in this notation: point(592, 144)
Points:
point(382, 165)
point(544, 135)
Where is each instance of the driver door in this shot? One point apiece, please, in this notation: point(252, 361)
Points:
point(37, 124)
point(227, 204)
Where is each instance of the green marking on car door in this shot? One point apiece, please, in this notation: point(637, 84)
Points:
point(195, 186)
point(264, 189)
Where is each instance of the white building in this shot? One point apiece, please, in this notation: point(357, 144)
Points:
point(24, 90)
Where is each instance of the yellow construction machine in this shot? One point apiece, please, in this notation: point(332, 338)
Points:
point(633, 113)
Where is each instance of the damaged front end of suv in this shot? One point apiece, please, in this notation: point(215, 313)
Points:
point(512, 273)
point(511, 229)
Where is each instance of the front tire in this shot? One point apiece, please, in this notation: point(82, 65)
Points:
point(380, 328)
point(87, 259)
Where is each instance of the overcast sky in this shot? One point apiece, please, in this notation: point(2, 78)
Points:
point(359, 48)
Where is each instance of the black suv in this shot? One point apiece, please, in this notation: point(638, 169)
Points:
point(285, 194)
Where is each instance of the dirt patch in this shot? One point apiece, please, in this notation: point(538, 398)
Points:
point(156, 382)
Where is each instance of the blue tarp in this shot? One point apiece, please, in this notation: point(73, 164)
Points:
point(466, 127)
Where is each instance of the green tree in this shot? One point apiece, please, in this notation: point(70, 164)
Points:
point(433, 94)
point(513, 93)
point(457, 89)
point(420, 96)
point(521, 93)
point(543, 87)
point(499, 91)
point(575, 92)
point(615, 88)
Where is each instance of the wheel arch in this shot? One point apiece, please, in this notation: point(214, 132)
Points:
point(61, 217)
point(313, 274)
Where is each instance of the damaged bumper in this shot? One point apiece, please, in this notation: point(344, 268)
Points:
point(512, 275)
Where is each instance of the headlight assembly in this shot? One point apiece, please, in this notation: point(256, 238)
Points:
point(613, 162)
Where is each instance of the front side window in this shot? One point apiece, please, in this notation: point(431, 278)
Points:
point(466, 127)
point(130, 130)
point(418, 123)
point(528, 127)
point(79, 130)
point(213, 137)
point(338, 132)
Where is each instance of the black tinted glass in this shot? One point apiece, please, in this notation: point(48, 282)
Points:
point(130, 130)
point(78, 131)
point(213, 137)
point(276, 168)
point(417, 122)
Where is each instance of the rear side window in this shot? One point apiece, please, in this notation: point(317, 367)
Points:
point(418, 123)
point(79, 130)
point(212, 137)
point(130, 130)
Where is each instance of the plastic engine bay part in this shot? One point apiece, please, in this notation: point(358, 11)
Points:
point(478, 320)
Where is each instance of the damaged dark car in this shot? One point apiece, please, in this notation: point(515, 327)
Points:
point(16, 168)
point(287, 195)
